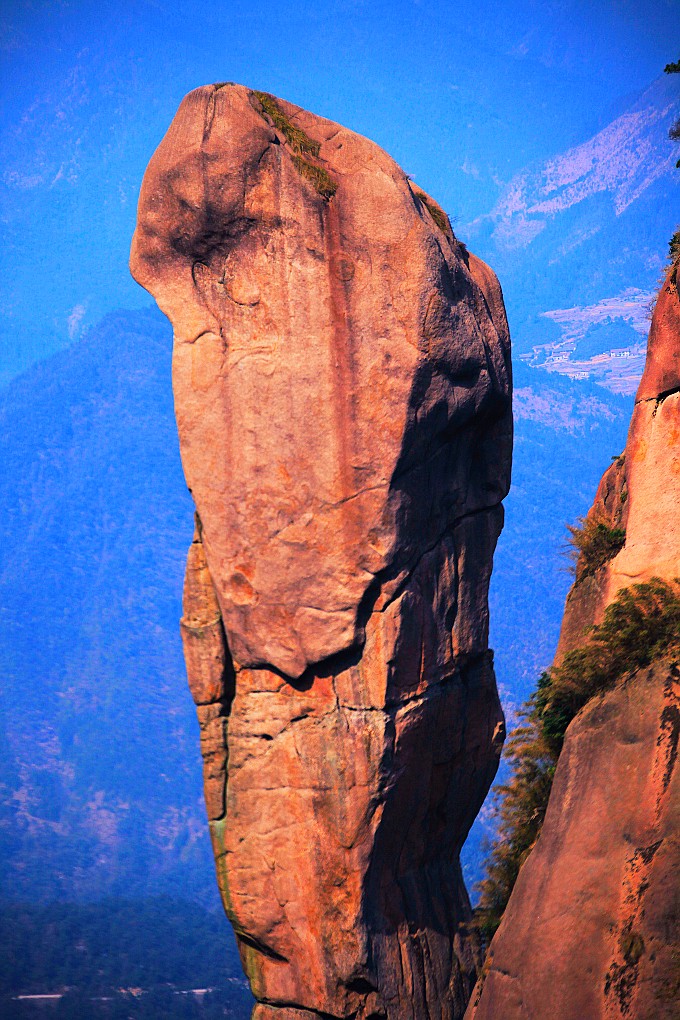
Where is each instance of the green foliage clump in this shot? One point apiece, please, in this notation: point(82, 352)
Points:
point(673, 68)
point(439, 217)
point(674, 256)
point(674, 247)
point(317, 176)
point(299, 141)
point(520, 806)
point(302, 146)
point(593, 542)
point(640, 626)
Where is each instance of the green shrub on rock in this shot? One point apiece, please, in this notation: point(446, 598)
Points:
point(594, 541)
point(639, 627)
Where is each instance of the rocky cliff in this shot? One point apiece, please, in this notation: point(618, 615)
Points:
point(640, 492)
point(341, 373)
point(591, 929)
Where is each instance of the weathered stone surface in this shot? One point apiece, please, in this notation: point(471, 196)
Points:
point(662, 365)
point(342, 387)
point(209, 670)
point(641, 491)
point(591, 929)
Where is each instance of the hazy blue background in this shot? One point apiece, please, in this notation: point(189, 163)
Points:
point(462, 94)
point(486, 106)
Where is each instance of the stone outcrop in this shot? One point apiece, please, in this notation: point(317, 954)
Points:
point(591, 929)
point(341, 372)
point(640, 492)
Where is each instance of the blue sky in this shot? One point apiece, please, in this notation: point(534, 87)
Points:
point(462, 95)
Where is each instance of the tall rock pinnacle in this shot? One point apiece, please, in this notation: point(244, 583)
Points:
point(341, 373)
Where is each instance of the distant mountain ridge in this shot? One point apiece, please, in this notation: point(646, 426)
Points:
point(622, 160)
point(582, 228)
point(98, 791)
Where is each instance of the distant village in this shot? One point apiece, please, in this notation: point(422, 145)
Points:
point(605, 342)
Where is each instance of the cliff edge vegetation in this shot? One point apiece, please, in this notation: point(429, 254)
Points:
point(640, 627)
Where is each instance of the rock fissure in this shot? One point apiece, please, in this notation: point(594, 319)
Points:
point(300, 1011)
point(659, 397)
point(353, 495)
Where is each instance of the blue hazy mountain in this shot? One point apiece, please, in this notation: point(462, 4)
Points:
point(589, 224)
point(101, 790)
point(101, 785)
point(120, 960)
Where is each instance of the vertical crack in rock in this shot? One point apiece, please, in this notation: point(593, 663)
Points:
point(342, 383)
point(210, 672)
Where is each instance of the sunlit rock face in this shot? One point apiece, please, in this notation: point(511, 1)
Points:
point(591, 928)
point(341, 374)
point(640, 491)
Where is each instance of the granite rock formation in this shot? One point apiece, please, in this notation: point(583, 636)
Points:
point(341, 372)
point(640, 491)
point(591, 929)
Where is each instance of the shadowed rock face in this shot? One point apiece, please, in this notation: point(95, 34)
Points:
point(342, 388)
point(591, 929)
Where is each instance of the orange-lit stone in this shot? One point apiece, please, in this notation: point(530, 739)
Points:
point(591, 929)
point(342, 387)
